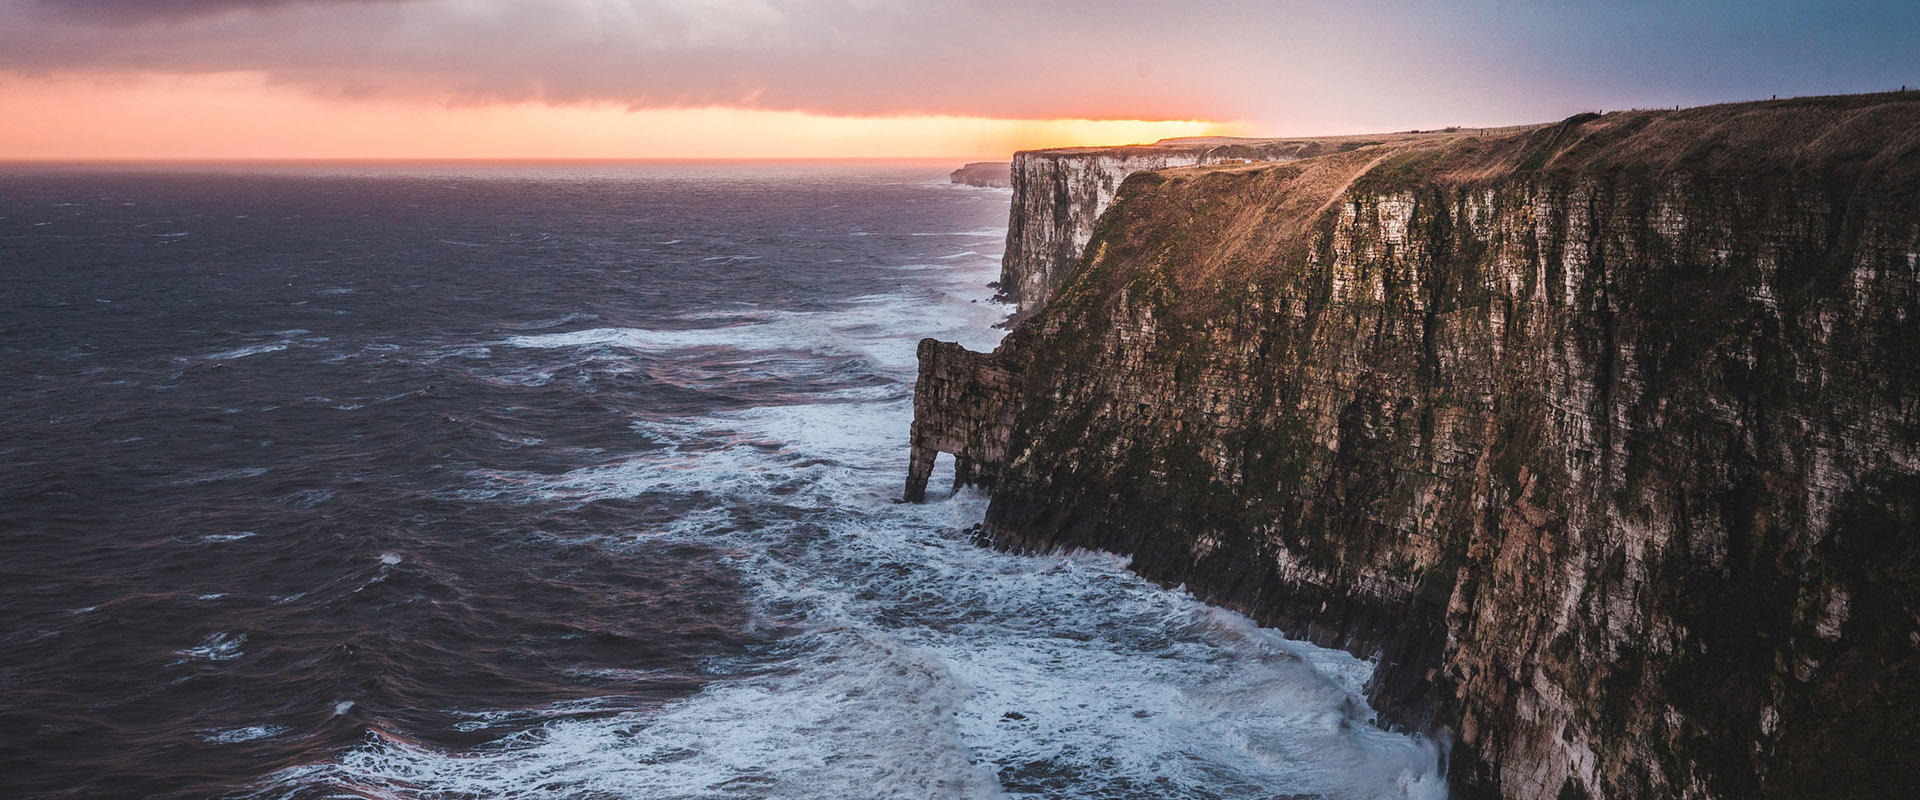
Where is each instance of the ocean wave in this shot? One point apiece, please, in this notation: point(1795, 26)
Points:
point(216, 647)
point(249, 350)
point(215, 475)
point(246, 734)
point(641, 538)
point(930, 666)
point(979, 233)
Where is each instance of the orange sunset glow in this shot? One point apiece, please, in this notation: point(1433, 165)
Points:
point(524, 79)
point(243, 116)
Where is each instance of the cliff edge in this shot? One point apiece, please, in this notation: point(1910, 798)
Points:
point(1058, 195)
point(1603, 436)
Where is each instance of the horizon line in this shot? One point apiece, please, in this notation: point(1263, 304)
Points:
point(501, 159)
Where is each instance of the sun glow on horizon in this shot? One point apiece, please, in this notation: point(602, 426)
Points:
point(241, 116)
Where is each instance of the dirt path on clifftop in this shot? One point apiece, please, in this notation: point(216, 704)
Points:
point(1341, 191)
point(1296, 194)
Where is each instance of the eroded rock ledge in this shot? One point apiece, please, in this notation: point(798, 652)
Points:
point(962, 404)
point(1604, 437)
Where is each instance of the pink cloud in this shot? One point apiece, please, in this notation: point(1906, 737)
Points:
point(1294, 67)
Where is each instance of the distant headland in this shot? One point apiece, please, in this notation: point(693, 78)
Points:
point(992, 174)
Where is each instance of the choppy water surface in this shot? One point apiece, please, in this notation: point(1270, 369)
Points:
point(496, 482)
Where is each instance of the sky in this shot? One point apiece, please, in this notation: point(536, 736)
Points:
point(976, 79)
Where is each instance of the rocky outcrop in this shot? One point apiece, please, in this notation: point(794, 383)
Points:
point(984, 174)
point(1603, 437)
point(962, 404)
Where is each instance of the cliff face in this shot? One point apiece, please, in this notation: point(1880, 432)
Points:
point(985, 174)
point(1059, 194)
point(1604, 437)
point(1056, 198)
point(963, 403)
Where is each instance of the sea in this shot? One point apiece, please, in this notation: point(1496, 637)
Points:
point(567, 480)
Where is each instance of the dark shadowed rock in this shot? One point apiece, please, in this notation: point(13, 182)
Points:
point(962, 404)
point(1603, 437)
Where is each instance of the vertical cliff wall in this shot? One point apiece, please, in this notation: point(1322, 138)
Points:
point(1603, 437)
point(963, 403)
point(1059, 194)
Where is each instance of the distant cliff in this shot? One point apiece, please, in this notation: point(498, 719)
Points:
point(985, 174)
point(1604, 437)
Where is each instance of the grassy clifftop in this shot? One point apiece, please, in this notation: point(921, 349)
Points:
point(1252, 214)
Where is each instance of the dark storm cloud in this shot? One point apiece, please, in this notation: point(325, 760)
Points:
point(1290, 64)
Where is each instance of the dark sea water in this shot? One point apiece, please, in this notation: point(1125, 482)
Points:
point(564, 481)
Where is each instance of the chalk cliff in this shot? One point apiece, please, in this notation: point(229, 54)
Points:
point(1058, 194)
point(984, 174)
point(1604, 436)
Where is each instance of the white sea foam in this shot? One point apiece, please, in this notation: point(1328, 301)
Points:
point(247, 734)
point(882, 328)
point(576, 316)
point(215, 475)
point(818, 734)
point(632, 338)
point(984, 233)
point(249, 350)
point(216, 647)
point(306, 498)
point(921, 664)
